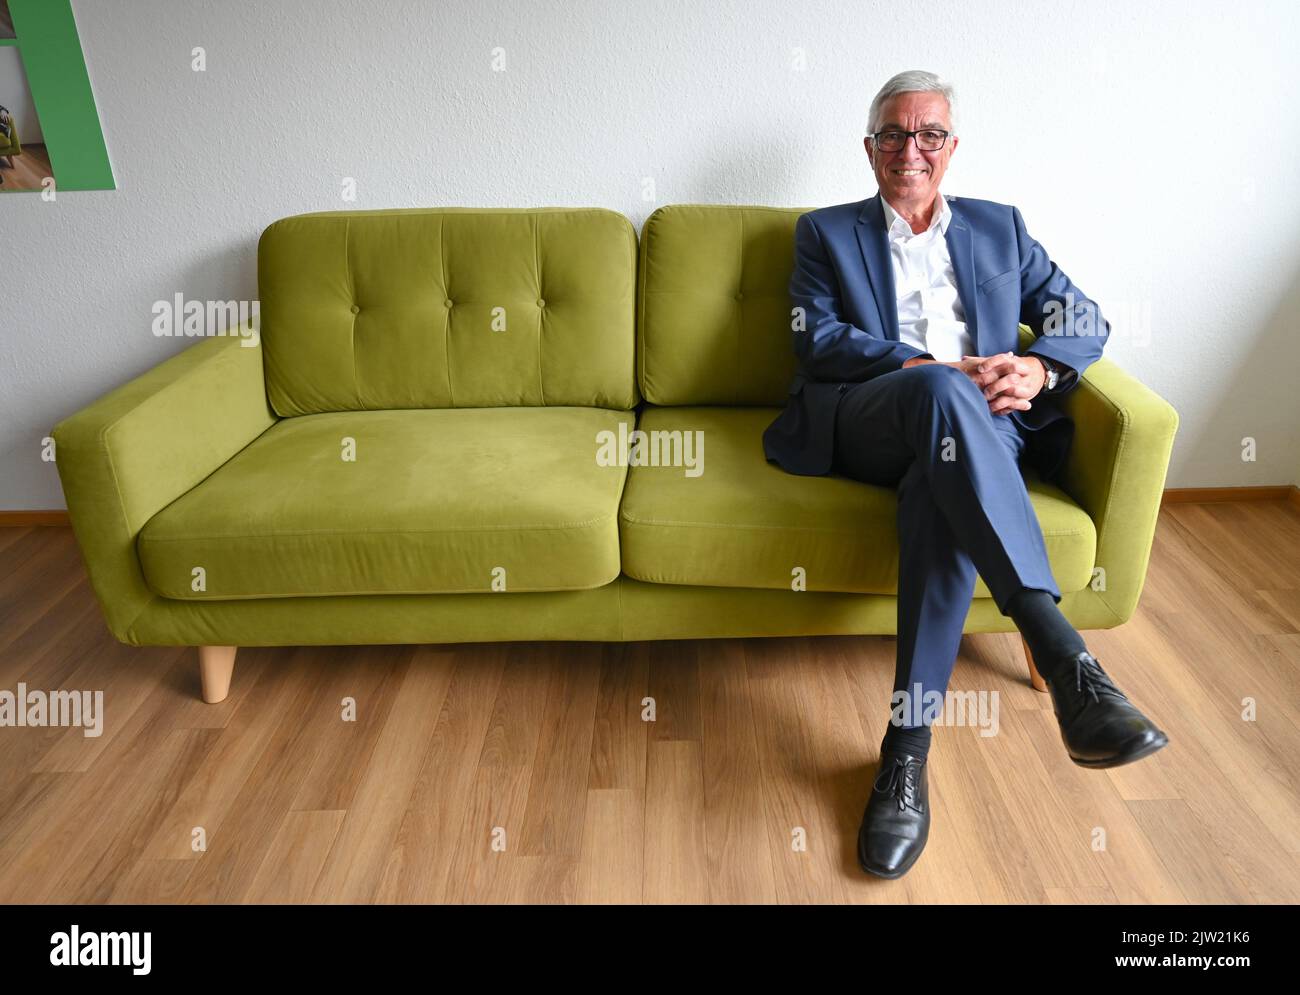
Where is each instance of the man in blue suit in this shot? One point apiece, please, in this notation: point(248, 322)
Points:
point(905, 318)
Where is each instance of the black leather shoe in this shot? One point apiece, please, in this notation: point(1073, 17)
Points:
point(1099, 725)
point(896, 823)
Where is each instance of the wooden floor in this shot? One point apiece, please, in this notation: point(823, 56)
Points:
point(29, 169)
point(542, 747)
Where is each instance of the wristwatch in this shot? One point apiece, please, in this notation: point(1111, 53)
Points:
point(1053, 374)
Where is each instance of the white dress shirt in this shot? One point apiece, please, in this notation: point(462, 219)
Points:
point(930, 313)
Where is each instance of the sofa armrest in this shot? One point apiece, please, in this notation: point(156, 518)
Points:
point(140, 447)
point(1115, 470)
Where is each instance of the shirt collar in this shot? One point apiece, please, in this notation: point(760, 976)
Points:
point(895, 224)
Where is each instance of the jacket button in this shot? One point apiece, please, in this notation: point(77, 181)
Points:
point(843, 387)
point(447, 302)
point(356, 309)
point(541, 302)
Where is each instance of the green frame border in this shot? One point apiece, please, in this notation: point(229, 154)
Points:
point(56, 72)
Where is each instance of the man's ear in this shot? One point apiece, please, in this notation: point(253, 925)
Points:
point(866, 144)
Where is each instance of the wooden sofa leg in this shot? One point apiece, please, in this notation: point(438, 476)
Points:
point(1035, 678)
point(216, 664)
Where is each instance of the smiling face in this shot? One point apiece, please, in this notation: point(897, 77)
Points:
point(909, 179)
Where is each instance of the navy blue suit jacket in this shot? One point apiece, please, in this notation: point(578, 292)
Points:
point(843, 281)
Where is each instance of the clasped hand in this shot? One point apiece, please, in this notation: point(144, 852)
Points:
point(1007, 380)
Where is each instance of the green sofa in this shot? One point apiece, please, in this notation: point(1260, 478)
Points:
point(425, 447)
point(10, 146)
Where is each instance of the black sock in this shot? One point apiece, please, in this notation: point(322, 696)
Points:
point(910, 739)
point(1051, 638)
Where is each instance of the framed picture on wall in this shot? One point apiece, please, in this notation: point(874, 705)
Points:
point(50, 135)
point(24, 159)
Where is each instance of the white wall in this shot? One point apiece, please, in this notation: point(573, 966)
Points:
point(16, 95)
point(1152, 148)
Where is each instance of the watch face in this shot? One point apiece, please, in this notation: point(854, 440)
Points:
point(1050, 374)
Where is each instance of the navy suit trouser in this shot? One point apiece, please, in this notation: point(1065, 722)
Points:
point(962, 506)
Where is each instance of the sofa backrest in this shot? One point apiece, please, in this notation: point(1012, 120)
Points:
point(451, 307)
point(714, 305)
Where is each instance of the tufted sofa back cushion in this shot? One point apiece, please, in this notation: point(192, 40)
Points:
point(448, 308)
point(714, 310)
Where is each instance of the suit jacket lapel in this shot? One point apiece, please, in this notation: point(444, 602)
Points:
point(874, 242)
point(961, 249)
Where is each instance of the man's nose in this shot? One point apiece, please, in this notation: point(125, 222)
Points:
point(910, 140)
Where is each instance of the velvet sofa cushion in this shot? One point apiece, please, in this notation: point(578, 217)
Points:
point(744, 522)
point(448, 308)
point(435, 501)
point(714, 311)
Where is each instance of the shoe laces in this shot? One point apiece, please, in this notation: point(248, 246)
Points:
point(1090, 679)
point(901, 777)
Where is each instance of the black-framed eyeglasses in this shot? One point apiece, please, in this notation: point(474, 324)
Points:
point(927, 139)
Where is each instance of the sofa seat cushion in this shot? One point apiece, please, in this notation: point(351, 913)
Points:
point(744, 522)
point(435, 501)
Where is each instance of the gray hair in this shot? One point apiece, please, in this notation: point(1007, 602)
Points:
point(913, 81)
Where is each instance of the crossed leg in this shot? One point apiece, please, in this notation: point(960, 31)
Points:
point(962, 506)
